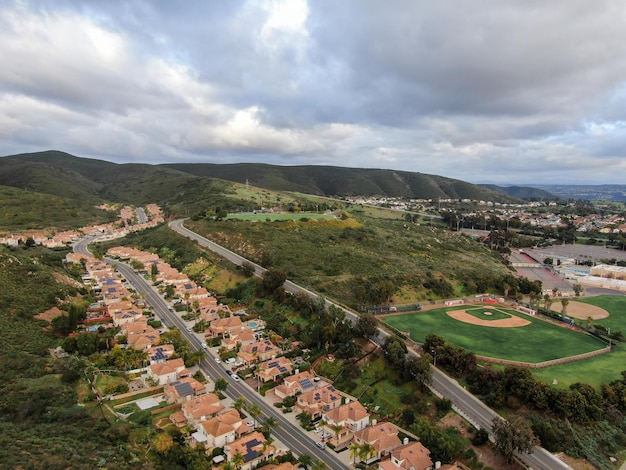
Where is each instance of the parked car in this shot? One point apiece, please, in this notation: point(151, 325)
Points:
point(217, 360)
point(316, 430)
point(321, 445)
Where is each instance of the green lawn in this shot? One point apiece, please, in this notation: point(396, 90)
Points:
point(537, 342)
point(597, 370)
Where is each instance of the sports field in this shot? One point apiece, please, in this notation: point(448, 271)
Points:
point(600, 369)
point(500, 333)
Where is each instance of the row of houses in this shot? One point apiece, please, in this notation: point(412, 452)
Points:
point(343, 420)
point(66, 237)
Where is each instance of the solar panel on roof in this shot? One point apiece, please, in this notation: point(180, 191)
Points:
point(331, 388)
point(306, 383)
point(282, 369)
point(111, 289)
point(273, 364)
point(188, 286)
point(184, 389)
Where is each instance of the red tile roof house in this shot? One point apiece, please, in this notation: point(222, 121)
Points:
point(144, 341)
point(271, 370)
point(410, 456)
point(202, 408)
point(352, 417)
point(168, 371)
point(316, 402)
point(258, 351)
point(382, 436)
point(183, 390)
point(253, 447)
point(240, 338)
point(221, 429)
point(162, 353)
point(225, 326)
point(298, 383)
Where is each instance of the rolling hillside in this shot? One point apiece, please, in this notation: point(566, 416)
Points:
point(64, 175)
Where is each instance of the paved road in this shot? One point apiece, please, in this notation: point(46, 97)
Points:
point(142, 218)
point(464, 402)
point(286, 432)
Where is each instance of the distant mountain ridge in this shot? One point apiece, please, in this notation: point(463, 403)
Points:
point(65, 175)
point(598, 192)
point(522, 192)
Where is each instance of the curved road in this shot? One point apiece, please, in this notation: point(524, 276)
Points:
point(286, 432)
point(466, 404)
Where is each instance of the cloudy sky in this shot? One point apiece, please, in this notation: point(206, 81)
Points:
point(510, 92)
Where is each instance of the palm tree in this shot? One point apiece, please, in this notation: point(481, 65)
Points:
point(238, 460)
point(269, 423)
point(355, 451)
point(337, 428)
point(564, 303)
point(239, 404)
point(319, 465)
point(305, 460)
point(255, 411)
point(367, 451)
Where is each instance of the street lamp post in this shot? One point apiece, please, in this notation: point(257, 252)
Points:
point(434, 351)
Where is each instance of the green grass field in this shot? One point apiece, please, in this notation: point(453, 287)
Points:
point(537, 342)
point(596, 370)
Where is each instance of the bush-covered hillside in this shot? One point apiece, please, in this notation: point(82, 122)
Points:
point(41, 423)
point(361, 260)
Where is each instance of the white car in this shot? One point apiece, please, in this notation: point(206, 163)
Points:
point(217, 360)
point(250, 422)
point(316, 430)
point(235, 377)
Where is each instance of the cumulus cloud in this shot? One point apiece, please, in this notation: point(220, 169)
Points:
point(508, 92)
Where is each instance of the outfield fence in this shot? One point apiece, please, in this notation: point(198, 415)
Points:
point(540, 365)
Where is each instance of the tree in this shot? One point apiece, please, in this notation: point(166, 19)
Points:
point(247, 268)
point(305, 460)
point(336, 428)
point(255, 412)
point(419, 369)
point(221, 384)
point(367, 451)
point(367, 325)
point(578, 289)
point(355, 450)
point(269, 423)
point(513, 436)
point(271, 282)
point(238, 460)
point(395, 349)
point(163, 443)
point(564, 303)
point(239, 404)
point(305, 419)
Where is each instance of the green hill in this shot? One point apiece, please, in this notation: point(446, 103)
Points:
point(338, 181)
point(61, 174)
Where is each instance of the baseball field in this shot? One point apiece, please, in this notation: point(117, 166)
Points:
point(496, 331)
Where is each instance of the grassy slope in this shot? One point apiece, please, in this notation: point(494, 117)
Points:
point(25, 210)
point(332, 255)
